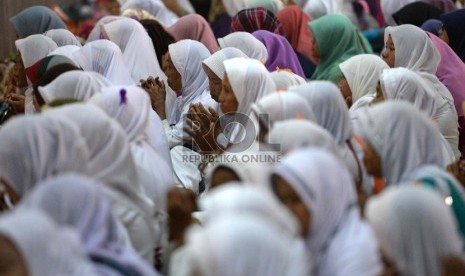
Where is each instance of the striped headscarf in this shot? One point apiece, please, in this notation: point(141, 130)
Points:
point(251, 20)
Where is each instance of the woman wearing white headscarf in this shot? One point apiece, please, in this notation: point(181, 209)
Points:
point(63, 37)
point(284, 79)
point(214, 68)
point(318, 189)
point(389, 7)
point(130, 106)
point(415, 229)
point(66, 51)
point(280, 107)
point(155, 7)
point(234, 6)
point(76, 85)
point(105, 58)
point(331, 113)
point(239, 245)
point(273, 6)
point(404, 84)
point(290, 135)
point(112, 164)
point(410, 47)
point(360, 79)
point(247, 43)
point(318, 8)
point(190, 83)
point(34, 245)
point(96, 32)
point(34, 148)
point(398, 139)
point(137, 47)
point(34, 48)
point(78, 202)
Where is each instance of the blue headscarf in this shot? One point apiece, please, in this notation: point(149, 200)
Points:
point(433, 26)
point(36, 20)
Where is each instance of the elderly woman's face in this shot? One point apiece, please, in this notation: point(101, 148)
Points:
point(389, 53)
point(289, 198)
point(11, 261)
point(345, 91)
point(174, 78)
point(214, 82)
point(228, 101)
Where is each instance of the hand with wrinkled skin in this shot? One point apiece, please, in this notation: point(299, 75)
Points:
point(157, 92)
point(203, 128)
point(16, 103)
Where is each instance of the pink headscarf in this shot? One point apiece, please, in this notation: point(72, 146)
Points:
point(195, 27)
point(451, 71)
point(295, 28)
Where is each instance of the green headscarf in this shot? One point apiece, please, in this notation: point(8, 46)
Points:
point(338, 40)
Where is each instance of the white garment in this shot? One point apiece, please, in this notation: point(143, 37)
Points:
point(78, 202)
point(332, 114)
point(278, 107)
point(362, 74)
point(339, 241)
point(45, 248)
point(273, 6)
point(77, 85)
point(105, 58)
point(389, 7)
point(234, 6)
point(112, 164)
point(284, 79)
point(295, 134)
point(247, 43)
point(415, 228)
point(404, 84)
point(215, 61)
point(246, 75)
point(318, 8)
point(130, 107)
point(96, 32)
point(231, 246)
point(63, 37)
point(41, 147)
point(361, 103)
point(155, 7)
point(136, 46)
point(186, 167)
point(34, 48)
point(187, 56)
point(66, 51)
point(402, 136)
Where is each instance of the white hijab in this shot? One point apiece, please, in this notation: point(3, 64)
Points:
point(234, 6)
point(105, 58)
point(415, 228)
point(284, 79)
point(318, 8)
point(389, 7)
point(403, 137)
point(215, 61)
point(77, 85)
point(66, 51)
point(131, 107)
point(290, 135)
point(41, 147)
point(246, 75)
point(78, 202)
point(155, 7)
point(63, 37)
point(247, 43)
point(339, 241)
point(137, 47)
point(45, 248)
point(96, 32)
point(278, 107)
point(415, 51)
point(230, 246)
point(34, 48)
point(362, 74)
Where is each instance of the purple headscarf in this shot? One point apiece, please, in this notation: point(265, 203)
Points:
point(433, 26)
point(280, 53)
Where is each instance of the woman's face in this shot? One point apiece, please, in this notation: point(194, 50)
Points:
point(389, 53)
point(443, 35)
point(379, 97)
point(372, 160)
point(288, 196)
point(223, 175)
point(315, 49)
point(345, 90)
point(174, 78)
point(19, 73)
point(228, 101)
point(214, 83)
point(11, 261)
point(8, 196)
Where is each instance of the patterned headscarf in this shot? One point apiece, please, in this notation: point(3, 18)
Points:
point(251, 20)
